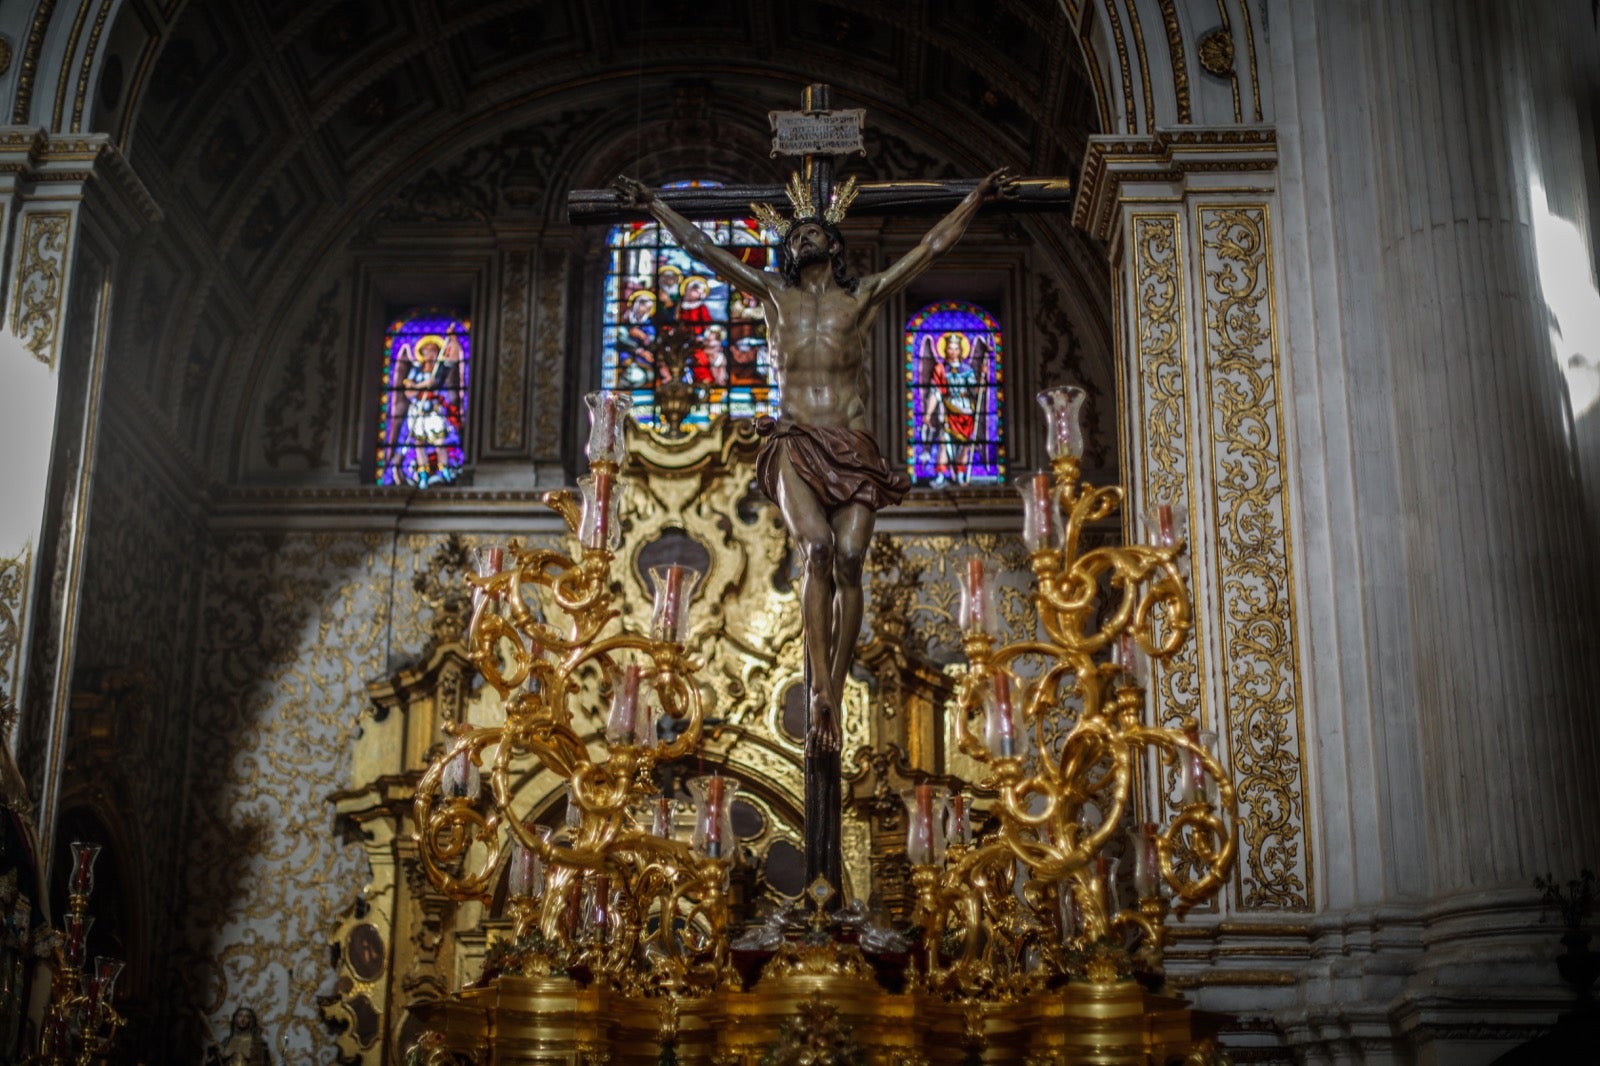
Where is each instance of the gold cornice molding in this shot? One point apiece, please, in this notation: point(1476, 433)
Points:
point(1167, 157)
point(49, 166)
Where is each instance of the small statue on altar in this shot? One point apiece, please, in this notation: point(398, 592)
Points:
point(243, 1046)
point(820, 463)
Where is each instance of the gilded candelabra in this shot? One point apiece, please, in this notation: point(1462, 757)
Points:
point(1020, 950)
point(1037, 899)
point(80, 1024)
point(614, 895)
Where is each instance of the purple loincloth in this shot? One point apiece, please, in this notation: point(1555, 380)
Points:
point(840, 465)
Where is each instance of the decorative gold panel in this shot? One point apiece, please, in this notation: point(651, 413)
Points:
point(13, 591)
point(39, 288)
point(1253, 555)
point(1163, 402)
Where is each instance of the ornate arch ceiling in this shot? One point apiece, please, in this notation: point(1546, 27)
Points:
point(271, 130)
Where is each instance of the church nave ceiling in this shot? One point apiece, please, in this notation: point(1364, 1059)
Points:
point(274, 132)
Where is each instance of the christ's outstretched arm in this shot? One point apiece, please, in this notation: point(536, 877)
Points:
point(938, 240)
point(723, 263)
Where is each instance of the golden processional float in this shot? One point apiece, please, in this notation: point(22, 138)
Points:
point(1023, 945)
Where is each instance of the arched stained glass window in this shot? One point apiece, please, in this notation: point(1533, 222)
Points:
point(422, 409)
point(954, 396)
point(650, 283)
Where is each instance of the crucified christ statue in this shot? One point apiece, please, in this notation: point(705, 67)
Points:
point(820, 463)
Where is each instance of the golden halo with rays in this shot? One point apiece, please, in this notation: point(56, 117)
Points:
point(965, 345)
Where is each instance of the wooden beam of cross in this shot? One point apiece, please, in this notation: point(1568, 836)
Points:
point(814, 135)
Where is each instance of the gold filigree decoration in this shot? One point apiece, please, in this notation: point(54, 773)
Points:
point(512, 369)
point(1165, 416)
point(1180, 68)
point(13, 589)
point(1216, 53)
point(1253, 557)
point(816, 1036)
point(40, 286)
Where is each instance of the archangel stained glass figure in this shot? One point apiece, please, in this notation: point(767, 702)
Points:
point(652, 283)
point(954, 396)
point(422, 408)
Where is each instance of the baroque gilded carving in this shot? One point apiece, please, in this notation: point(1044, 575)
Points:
point(13, 590)
point(1163, 404)
point(511, 363)
point(40, 286)
point(1253, 556)
point(299, 415)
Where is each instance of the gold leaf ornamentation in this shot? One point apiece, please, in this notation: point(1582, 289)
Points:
point(40, 288)
point(1253, 558)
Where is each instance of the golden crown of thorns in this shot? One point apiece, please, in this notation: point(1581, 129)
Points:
point(805, 208)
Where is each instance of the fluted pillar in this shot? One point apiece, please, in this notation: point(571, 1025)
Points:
point(1428, 157)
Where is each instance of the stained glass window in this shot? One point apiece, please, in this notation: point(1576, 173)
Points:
point(427, 355)
point(954, 396)
point(652, 283)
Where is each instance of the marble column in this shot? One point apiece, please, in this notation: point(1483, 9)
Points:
point(68, 206)
point(1423, 161)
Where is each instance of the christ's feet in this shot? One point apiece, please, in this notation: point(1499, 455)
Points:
point(822, 738)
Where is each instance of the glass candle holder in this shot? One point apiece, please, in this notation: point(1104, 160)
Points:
point(960, 831)
point(713, 815)
point(487, 561)
point(977, 613)
point(525, 870)
point(608, 412)
point(674, 588)
point(1195, 785)
point(1105, 871)
point(462, 779)
point(1132, 660)
point(1002, 729)
point(106, 974)
point(596, 913)
point(661, 817)
point(622, 725)
point(1146, 861)
point(1167, 522)
point(78, 926)
point(925, 818)
point(574, 814)
point(1041, 513)
point(600, 521)
point(1066, 908)
point(83, 860)
point(1063, 419)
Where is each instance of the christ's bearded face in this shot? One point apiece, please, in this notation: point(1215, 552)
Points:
point(809, 243)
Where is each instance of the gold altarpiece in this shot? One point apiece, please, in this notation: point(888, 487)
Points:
point(402, 941)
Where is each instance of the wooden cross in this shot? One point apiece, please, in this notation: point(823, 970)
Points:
point(601, 206)
point(815, 134)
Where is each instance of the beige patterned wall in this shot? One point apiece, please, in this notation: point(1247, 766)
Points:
point(292, 626)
